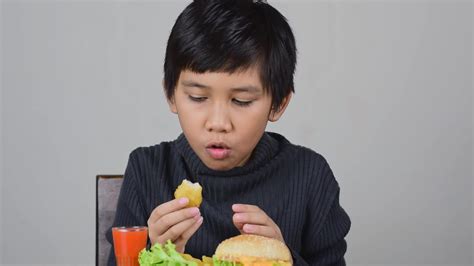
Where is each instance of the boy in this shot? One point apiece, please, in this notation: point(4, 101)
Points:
point(229, 69)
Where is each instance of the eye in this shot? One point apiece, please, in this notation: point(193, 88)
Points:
point(242, 103)
point(197, 98)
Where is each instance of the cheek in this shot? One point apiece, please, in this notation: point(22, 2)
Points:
point(188, 117)
point(258, 116)
point(252, 125)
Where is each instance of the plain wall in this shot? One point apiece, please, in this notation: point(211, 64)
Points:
point(383, 91)
point(1, 134)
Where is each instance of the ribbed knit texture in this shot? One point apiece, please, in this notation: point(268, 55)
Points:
point(292, 184)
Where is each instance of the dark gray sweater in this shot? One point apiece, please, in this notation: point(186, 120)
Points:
point(292, 184)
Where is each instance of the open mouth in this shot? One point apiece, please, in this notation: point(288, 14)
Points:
point(217, 146)
point(218, 151)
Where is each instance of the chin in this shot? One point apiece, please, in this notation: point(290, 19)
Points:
point(222, 166)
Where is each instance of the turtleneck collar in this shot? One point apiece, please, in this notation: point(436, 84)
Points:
point(267, 148)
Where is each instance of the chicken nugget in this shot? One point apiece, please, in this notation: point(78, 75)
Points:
point(192, 191)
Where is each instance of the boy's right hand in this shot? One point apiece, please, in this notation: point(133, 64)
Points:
point(172, 220)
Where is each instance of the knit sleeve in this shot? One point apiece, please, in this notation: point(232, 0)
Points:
point(130, 211)
point(326, 226)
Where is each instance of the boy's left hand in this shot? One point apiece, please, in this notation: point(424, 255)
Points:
point(250, 219)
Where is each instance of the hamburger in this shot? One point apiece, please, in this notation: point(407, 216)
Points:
point(252, 250)
point(242, 250)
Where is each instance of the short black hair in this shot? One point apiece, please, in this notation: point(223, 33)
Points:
point(229, 36)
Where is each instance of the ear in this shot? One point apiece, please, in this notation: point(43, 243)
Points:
point(276, 114)
point(171, 102)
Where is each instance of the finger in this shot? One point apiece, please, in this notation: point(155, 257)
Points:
point(238, 225)
point(259, 218)
point(186, 235)
point(167, 207)
point(183, 239)
point(177, 230)
point(245, 208)
point(261, 230)
point(171, 219)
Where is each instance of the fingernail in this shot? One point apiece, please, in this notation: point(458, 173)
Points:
point(235, 207)
point(194, 211)
point(183, 201)
point(201, 219)
point(249, 228)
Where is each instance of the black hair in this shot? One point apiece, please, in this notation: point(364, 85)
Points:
point(229, 36)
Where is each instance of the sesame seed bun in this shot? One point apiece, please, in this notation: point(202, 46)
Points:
point(253, 246)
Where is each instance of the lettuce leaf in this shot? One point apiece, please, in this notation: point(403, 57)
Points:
point(217, 262)
point(173, 254)
point(163, 255)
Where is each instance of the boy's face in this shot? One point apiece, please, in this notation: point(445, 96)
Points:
point(223, 116)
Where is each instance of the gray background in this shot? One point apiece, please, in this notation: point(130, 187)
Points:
point(384, 92)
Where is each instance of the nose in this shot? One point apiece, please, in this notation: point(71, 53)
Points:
point(218, 119)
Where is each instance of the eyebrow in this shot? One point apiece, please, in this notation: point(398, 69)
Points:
point(194, 84)
point(248, 88)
